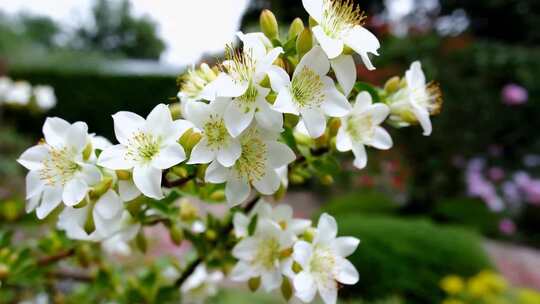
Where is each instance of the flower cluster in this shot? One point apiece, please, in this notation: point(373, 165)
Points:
point(270, 107)
point(22, 94)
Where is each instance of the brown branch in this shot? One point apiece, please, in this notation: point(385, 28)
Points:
point(175, 183)
point(71, 275)
point(193, 265)
point(56, 257)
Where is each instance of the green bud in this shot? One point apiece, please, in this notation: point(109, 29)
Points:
point(180, 171)
point(392, 84)
point(100, 189)
point(123, 174)
point(296, 179)
point(254, 284)
point(302, 139)
point(286, 289)
point(87, 152)
point(304, 42)
point(297, 26)
point(176, 233)
point(312, 22)
point(327, 180)
point(11, 210)
point(210, 235)
point(188, 212)
point(189, 139)
point(296, 267)
point(176, 110)
point(218, 196)
point(309, 235)
point(89, 225)
point(269, 25)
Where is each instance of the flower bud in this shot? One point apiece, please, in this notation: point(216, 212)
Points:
point(176, 110)
point(327, 180)
point(217, 196)
point(188, 212)
point(102, 187)
point(269, 25)
point(296, 267)
point(89, 225)
point(87, 152)
point(286, 289)
point(189, 139)
point(312, 22)
point(296, 179)
point(304, 42)
point(297, 26)
point(392, 85)
point(176, 234)
point(254, 284)
point(210, 235)
point(123, 174)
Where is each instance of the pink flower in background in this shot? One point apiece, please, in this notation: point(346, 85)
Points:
point(513, 95)
point(496, 174)
point(507, 226)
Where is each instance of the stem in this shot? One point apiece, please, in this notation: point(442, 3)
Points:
point(71, 275)
point(193, 265)
point(176, 183)
point(56, 257)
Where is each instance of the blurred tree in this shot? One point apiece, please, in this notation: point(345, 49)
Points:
point(40, 29)
point(115, 30)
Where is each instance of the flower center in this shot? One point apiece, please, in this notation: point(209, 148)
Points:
point(268, 253)
point(195, 80)
point(247, 100)
point(340, 16)
point(428, 97)
point(216, 132)
point(142, 147)
point(307, 89)
point(360, 127)
point(252, 161)
point(59, 167)
point(322, 263)
point(240, 64)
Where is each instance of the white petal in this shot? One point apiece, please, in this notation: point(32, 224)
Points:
point(326, 228)
point(328, 292)
point(415, 76)
point(241, 272)
point(216, 173)
point(34, 184)
point(314, 8)
point(114, 158)
point(224, 86)
point(335, 104)
point(32, 203)
point(169, 156)
point(51, 199)
point(266, 62)
point(271, 280)
point(305, 287)
point(363, 42)
point(198, 112)
point(284, 103)
point(314, 121)
point(237, 117)
point(299, 226)
point(279, 78)
point(246, 249)
point(343, 140)
point(77, 135)
point(126, 124)
point(179, 127)
point(269, 183)
point(332, 47)
point(201, 153)
point(347, 273)
point(127, 190)
point(282, 213)
point(228, 155)
point(54, 131)
point(345, 245)
point(268, 118)
point(236, 191)
point(381, 140)
point(359, 151)
point(302, 253)
point(90, 174)
point(109, 205)
point(379, 112)
point(422, 115)
point(253, 44)
point(345, 69)
point(33, 157)
point(279, 154)
point(159, 121)
point(315, 60)
point(148, 180)
point(363, 102)
point(74, 192)
point(240, 223)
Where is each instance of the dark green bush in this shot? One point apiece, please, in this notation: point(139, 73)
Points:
point(93, 98)
point(360, 202)
point(408, 257)
point(469, 212)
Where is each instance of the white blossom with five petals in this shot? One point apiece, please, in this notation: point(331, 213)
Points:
point(146, 146)
point(324, 263)
point(362, 128)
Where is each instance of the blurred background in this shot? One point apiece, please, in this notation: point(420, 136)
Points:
point(458, 203)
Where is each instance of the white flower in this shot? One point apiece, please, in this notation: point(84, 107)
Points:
point(416, 101)
point(146, 146)
point(45, 97)
point(244, 71)
point(361, 128)
point(58, 170)
point(339, 24)
point(19, 93)
point(311, 93)
point(262, 255)
point(194, 81)
point(261, 155)
point(323, 263)
point(281, 215)
point(200, 285)
point(216, 142)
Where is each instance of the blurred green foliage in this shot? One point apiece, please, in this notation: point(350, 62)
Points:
point(408, 257)
point(360, 202)
point(469, 212)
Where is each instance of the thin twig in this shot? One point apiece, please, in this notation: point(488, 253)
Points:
point(71, 275)
point(56, 257)
point(175, 183)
